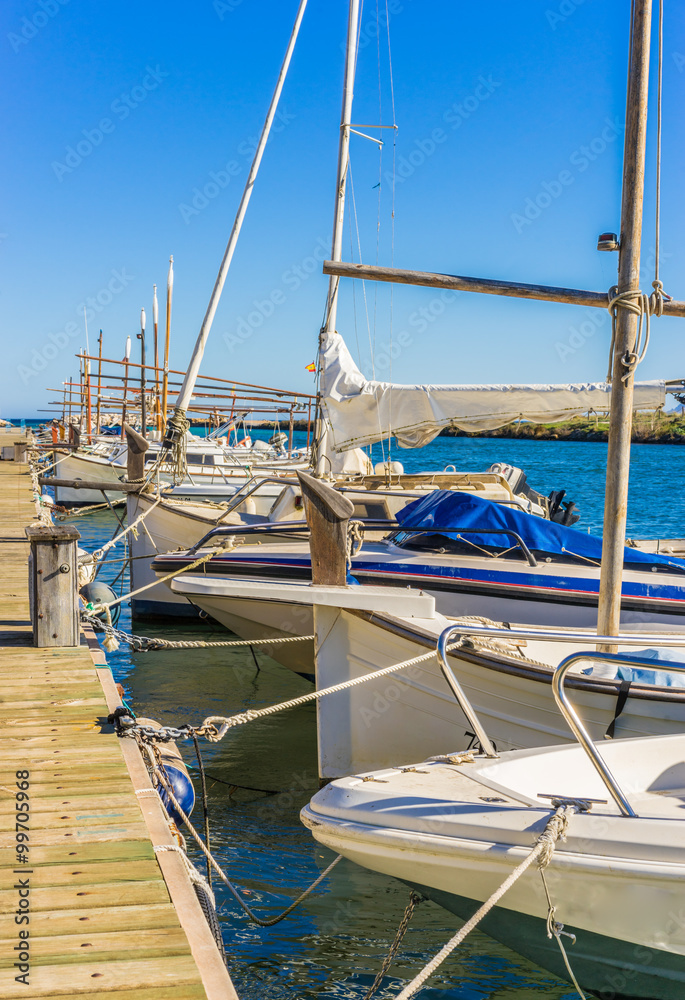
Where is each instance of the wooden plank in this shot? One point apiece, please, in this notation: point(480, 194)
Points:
point(85, 897)
point(92, 833)
point(108, 946)
point(80, 853)
point(187, 991)
point(66, 818)
point(102, 919)
point(72, 980)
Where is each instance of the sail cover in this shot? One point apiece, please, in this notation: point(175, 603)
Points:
point(475, 518)
point(360, 411)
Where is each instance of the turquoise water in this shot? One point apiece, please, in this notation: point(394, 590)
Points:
point(263, 773)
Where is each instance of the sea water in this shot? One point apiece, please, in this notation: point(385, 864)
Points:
point(262, 773)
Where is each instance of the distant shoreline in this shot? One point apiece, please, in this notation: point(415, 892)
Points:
point(648, 428)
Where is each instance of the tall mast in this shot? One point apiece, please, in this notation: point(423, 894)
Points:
point(343, 160)
point(98, 411)
point(174, 430)
point(339, 210)
point(155, 326)
point(167, 338)
point(621, 416)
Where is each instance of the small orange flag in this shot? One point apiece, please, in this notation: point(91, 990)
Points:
point(311, 367)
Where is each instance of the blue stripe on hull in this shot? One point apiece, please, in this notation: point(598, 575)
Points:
point(604, 966)
point(163, 609)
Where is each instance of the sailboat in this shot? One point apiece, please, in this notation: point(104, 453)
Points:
point(456, 826)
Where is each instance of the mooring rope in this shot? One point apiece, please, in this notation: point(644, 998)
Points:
point(542, 853)
point(161, 777)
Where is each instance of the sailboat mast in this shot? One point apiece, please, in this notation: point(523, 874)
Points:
point(621, 416)
point(174, 427)
point(338, 214)
point(343, 161)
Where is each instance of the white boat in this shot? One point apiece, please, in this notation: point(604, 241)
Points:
point(174, 523)
point(455, 827)
point(214, 470)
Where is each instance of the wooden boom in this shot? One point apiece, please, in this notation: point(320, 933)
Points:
point(488, 286)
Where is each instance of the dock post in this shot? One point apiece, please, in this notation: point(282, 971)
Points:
point(53, 584)
point(20, 450)
point(135, 461)
point(328, 513)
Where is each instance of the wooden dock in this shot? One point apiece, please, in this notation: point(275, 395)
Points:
point(108, 915)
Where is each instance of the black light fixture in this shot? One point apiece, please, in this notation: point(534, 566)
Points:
point(608, 241)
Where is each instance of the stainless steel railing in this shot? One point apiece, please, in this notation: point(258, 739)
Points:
point(569, 713)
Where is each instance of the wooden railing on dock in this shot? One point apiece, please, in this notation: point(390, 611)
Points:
point(107, 915)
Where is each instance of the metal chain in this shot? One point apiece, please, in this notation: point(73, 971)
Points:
point(161, 777)
point(414, 900)
point(144, 643)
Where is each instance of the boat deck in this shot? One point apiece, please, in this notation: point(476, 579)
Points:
point(108, 915)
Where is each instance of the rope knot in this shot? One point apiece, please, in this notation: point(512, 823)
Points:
point(555, 830)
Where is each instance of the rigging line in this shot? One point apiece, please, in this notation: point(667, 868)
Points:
point(354, 288)
point(359, 251)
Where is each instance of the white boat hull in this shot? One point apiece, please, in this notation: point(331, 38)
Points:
point(456, 832)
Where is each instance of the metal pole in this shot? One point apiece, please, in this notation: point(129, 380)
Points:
point(620, 419)
point(155, 324)
point(186, 392)
point(165, 374)
point(123, 405)
point(339, 212)
point(97, 413)
point(143, 383)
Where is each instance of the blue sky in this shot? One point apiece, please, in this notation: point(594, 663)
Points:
point(128, 131)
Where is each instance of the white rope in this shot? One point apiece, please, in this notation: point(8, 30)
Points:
point(222, 875)
point(99, 553)
point(542, 852)
point(225, 723)
point(97, 608)
point(193, 873)
point(635, 301)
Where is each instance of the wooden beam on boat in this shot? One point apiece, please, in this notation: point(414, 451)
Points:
point(91, 484)
point(328, 513)
point(487, 286)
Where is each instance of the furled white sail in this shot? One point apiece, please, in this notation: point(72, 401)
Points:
point(359, 411)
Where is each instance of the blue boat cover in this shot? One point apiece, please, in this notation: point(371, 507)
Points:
point(471, 516)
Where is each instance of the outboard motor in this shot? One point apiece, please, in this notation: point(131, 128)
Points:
point(562, 512)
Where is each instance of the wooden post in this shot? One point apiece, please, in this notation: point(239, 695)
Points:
point(167, 338)
point(53, 584)
point(135, 461)
point(20, 450)
point(98, 409)
point(621, 414)
point(328, 513)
